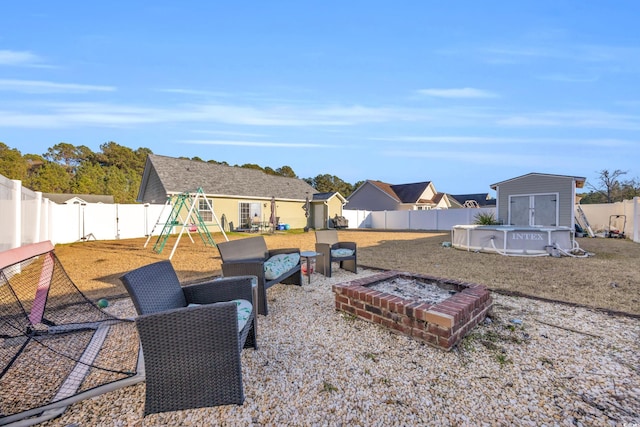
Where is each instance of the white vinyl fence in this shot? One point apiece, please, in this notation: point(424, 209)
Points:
point(436, 219)
point(621, 214)
point(27, 218)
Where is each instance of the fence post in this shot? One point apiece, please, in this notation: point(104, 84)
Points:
point(45, 219)
point(636, 219)
point(16, 199)
point(38, 217)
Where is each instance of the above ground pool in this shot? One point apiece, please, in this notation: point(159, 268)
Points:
point(513, 240)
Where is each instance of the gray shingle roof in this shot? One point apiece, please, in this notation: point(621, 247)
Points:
point(410, 193)
point(580, 180)
point(61, 198)
point(482, 199)
point(182, 175)
point(326, 196)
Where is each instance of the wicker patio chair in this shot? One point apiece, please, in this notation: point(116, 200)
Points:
point(247, 256)
point(191, 352)
point(335, 251)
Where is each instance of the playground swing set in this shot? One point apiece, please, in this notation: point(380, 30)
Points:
point(185, 214)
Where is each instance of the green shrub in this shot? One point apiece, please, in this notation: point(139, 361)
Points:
point(485, 218)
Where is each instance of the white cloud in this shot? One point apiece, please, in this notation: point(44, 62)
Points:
point(477, 158)
point(15, 58)
point(195, 92)
point(228, 133)
point(35, 86)
point(458, 93)
point(491, 140)
point(567, 78)
point(559, 51)
point(253, 143)
point(592, 119)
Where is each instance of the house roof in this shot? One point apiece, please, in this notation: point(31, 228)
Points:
point(62, 199)
point(482, 199)
point(183, 175)
point(386, 188)
point(453, 201)
point(436, 198)
point(404, 193)
point(410, 193)
point(579, 179)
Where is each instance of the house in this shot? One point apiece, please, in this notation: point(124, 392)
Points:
point(236, 194)
point(477, 200)
point(69, 199)
point(380, 196)
point(537, 199)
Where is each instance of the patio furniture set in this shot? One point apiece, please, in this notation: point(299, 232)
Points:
point(192, 336)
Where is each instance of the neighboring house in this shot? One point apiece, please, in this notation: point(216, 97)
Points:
point(537, 199)
point(380, 196)
point(69, 199)
point(478, 200)
point(236, 194)
point(325, 206)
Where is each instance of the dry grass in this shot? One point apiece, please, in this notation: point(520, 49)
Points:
point(610, 280)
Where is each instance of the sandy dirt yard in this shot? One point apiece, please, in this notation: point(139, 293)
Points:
point(609, 280)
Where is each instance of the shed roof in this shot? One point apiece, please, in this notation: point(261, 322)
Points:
point(579, 179)
point(327, 196)
point(184, 175)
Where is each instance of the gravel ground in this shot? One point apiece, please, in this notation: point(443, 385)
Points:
point(531, 363)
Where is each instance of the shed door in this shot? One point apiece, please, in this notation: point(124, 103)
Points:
point(545, 210)
point(534, 210)
point(319, 216)
point(520, 212)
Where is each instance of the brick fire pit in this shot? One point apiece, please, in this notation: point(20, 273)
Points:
point(441, 323)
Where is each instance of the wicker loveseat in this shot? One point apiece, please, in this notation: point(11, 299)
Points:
point(250, 256)
point(192, 337)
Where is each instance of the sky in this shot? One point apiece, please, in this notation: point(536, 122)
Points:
point(464, 94)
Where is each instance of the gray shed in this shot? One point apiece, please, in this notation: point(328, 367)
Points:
point(537, 199)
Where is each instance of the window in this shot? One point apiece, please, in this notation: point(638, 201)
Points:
point(248, 211)
point(204, 211)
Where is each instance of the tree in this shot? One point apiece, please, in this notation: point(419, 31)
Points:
point(68, 155)
point(118, 184)
point(611, 189)
point(286, 171)
point(117, 170)
point(252, 166)
point(630, 189)
point(329, 183)
point(114, 154)
point(50, 178)
point(12, 164)
point(89, 179)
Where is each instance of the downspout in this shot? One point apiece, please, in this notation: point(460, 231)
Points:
point(326, 214)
